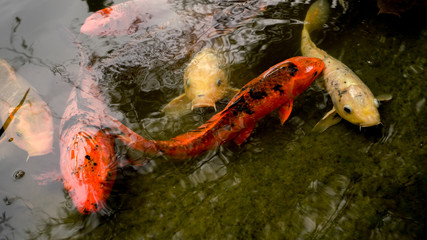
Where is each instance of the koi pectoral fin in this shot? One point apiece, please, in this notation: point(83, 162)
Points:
point(384, 97)
point(232, 91)
point(320, 82)
point(178, 107)
point(285, 110)
point(331, 118)
point(243, 135)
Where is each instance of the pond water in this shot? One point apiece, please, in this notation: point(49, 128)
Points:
point(284, 182)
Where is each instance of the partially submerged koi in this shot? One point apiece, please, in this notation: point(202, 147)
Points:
point(88, 161)
point(30, 123)
point(87, 132)
point(145, 16)
point(352, 99)
point(275, 88)
point(128, 17)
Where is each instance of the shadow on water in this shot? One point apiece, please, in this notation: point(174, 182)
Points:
point(284, 182)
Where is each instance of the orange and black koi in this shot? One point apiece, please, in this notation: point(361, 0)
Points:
point(275, 88)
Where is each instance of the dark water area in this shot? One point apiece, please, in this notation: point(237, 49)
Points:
point(283, 182)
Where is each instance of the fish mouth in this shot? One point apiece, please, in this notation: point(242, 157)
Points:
point(203, 102)
point(369, 118)
point(370, 123)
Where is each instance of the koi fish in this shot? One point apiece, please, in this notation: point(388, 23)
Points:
point(127, 18)
point(88, 162)
point(352, 99)
point(147, 15)
point(205, 82)
point(27, 120)
point(275, 88)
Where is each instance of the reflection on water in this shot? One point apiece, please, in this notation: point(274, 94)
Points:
point(283, 183)
point(210, 171)
point(324, 206)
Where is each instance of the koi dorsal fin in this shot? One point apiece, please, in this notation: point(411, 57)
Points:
point(189, 136)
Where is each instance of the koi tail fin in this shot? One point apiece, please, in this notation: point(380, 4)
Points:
point(134, 140)
point(317, 15)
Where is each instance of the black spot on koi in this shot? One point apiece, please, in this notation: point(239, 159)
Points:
point(240, 105)
point(95, 205)
point(340, 93)
point(292, 68)
point(278, 88)
point(257, 94)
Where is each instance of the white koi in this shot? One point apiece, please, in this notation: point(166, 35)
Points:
point(29, 119)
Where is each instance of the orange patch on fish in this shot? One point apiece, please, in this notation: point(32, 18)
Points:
point(89, 168)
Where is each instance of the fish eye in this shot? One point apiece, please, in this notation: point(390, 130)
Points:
point(376, 103)
point(347, 109)
point(188, 82)
point(218, 82)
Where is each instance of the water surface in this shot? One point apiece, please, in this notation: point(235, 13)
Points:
point(284, 182)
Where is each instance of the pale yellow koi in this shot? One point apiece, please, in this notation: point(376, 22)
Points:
point(352, 99)
point(206, 81)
